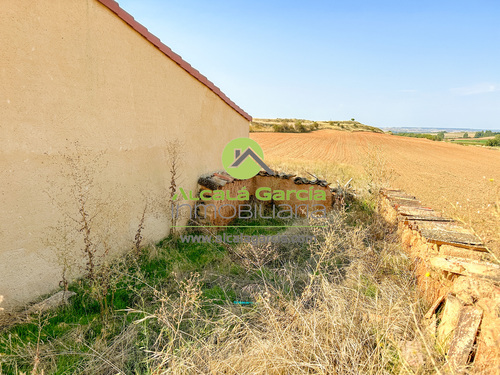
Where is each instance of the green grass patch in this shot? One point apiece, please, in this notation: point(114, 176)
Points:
point(133, 287)
point(470, 141)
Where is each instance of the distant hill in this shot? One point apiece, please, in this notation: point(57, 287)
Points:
point(287, 125)
point(430, 130)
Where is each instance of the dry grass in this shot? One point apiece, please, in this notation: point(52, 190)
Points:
point(344, 305)
point(346, 310)
point(347, 304)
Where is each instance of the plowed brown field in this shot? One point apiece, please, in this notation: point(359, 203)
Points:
point(462, 181)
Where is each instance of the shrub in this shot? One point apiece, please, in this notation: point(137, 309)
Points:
point(494, 142)
point(278, 128)
point(300, 127)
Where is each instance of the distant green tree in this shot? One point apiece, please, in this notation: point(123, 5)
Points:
point(466, 135)
point(494, 142)
point(478, 134)
point(440, 136)
point(353, 119)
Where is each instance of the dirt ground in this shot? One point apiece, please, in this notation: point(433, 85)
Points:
point(461, 181)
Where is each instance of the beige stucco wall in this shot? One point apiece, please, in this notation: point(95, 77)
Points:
point(72, 71)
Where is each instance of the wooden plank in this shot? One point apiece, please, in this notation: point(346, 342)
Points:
point(434, 307)
point(399, 194)
point(463, 338)
point(432, 226)
point(446, 227)
point(466, 253)
point(403, 197)
point(448, 321)
point(449, 233)
point(391, 192)
point(418, 211)
point(397, 203)
point(468, 246)
point(453, 238)
point(425, 218)
point(467, 267)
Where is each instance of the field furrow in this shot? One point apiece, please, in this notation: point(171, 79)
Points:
point(462, 181)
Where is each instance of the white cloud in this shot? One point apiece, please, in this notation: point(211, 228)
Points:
point(480, 88)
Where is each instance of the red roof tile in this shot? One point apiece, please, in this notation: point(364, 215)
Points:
point(115, 8)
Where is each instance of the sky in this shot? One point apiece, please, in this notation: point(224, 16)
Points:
point(385, 63)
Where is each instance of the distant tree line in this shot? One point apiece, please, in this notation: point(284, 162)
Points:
point(437, 137)
point(440, 136)
point(485, 133)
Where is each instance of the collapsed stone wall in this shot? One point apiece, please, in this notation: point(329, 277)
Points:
point(457, 276)
point(219, 212)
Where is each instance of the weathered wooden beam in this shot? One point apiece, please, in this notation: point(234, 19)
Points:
point(403, 202)
point(434, 307)
point(463, 338)
point(448, 323)
point(467, 267)
point(448, 233)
